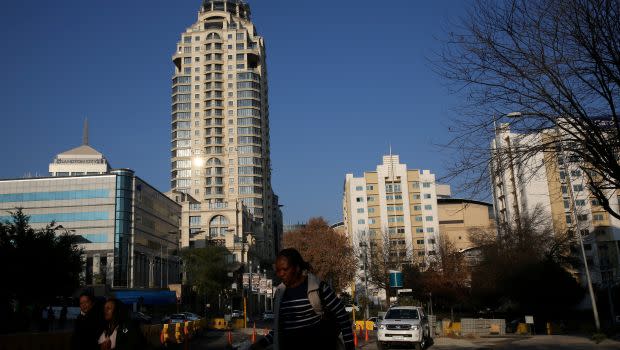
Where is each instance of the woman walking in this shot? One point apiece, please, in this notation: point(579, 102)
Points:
point(308, 314)
point(119, 332)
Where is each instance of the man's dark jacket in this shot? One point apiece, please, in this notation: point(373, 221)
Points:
point(88, 328)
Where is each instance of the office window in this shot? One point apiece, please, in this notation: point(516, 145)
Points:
point(569, 219)
point(360, 210)
point(429, 218)
point(580, 202)
point(598, 217)
point(582, 217)
point(369, 187)
point(419, 230)
point(430, 229)
point(427, 196)
point(417, 207)
point(415, 184)
point(418, 218)
point(371, 221)
point(578, 188)
point(426, 185)
point(595, 202)
point(420, 241)
point(428, 207)
point(566, 204)
point(361, 222)
point(239, 36)
point(371, 198)
point(415, 196)
point(371, 210)
point(359, 199)
point(564, 189)
point(194, 220)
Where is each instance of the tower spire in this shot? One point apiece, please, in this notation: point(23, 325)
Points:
point(85, 132)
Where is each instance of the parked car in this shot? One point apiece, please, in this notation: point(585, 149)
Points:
point(177, 318)
point(404, 325)
point(268, 316)
point(141, 317)
point(236, 314)
point(191, 316)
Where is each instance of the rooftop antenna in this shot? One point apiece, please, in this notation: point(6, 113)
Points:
point(85, 132)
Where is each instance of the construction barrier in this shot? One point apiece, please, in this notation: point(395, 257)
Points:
point(483, 326)
point(361, 324)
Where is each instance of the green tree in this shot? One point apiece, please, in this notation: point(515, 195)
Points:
point(207, 270)
point(36, 265)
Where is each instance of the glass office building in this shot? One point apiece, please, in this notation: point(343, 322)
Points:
point(129, 230)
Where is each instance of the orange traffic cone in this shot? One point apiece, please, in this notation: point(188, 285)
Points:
point(355, 339)
point(366, 337)
point(229, 336)
point(254, 334)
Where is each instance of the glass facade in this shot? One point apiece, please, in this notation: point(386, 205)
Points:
point(53, 196)
point(122, 226)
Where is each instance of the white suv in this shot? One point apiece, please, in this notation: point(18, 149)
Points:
point(404, 325)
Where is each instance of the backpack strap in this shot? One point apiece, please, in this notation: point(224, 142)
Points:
point(314, 297)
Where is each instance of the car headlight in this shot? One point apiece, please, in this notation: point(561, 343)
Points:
point(381, 326)
point(415, 327)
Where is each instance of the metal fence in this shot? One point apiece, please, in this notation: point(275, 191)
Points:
point(483, 326)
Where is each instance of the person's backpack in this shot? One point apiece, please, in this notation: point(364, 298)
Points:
point(327, 317)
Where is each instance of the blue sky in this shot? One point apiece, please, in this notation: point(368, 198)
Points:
point(346, 78)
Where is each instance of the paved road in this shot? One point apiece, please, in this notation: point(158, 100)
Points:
point(217, 340)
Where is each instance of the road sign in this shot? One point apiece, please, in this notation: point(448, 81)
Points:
point(396, 279)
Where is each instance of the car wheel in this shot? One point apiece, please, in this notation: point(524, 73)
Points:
point(417, 346)
point(381, 346)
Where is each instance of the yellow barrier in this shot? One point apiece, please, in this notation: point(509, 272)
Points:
point(178, 334)
point(451, 328)
point(360, 325)
point(522, 328)
point(218, 323)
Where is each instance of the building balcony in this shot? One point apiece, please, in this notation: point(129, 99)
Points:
point(218, 205)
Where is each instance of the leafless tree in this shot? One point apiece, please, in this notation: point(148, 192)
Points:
point(385, 254)
point(557, 62)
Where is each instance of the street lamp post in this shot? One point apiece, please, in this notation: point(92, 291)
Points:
point(367, 311)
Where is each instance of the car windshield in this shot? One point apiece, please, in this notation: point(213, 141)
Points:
point(408, 314)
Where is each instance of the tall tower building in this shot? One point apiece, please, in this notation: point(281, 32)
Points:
point(220, 131)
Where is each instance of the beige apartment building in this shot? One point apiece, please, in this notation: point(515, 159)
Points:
point(460, 217)
point(397, 204)
point(553, 184)
point(220, 132)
